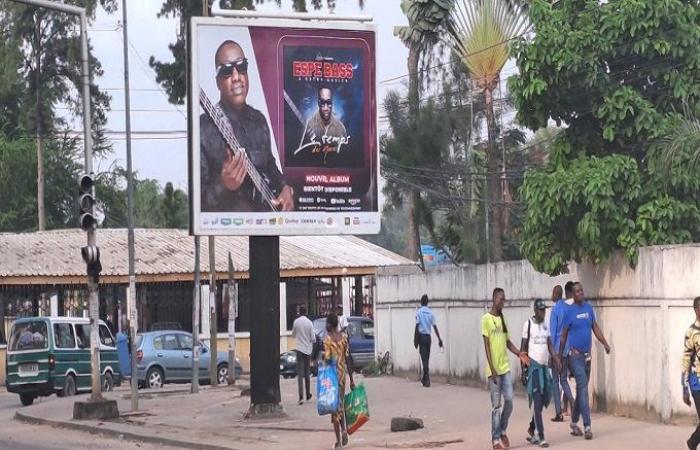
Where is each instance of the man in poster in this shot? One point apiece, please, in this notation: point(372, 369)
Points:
point(324, 132)
point(228, 174)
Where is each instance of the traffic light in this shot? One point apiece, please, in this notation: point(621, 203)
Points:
point(87, 202)
point(91, 256)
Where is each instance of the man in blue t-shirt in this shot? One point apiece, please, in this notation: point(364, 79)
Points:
point(579, 322)
point(556, 327)
point(425, 323)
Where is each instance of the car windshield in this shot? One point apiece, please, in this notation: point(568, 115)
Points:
point(29, 336)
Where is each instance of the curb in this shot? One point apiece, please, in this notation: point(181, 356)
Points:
point(117, 434)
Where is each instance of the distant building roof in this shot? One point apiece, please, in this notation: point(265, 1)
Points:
point(53, 257)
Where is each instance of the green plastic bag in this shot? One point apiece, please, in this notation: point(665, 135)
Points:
point(356, 408)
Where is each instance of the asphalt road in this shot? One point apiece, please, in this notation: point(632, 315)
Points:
point(15, 435)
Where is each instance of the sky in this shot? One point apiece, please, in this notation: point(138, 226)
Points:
point(159, 129)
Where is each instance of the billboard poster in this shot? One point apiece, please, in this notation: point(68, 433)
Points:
point(283, 127)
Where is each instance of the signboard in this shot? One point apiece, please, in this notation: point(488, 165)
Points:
point(283, 127)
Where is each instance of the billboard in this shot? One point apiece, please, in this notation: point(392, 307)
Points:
point(283, 127)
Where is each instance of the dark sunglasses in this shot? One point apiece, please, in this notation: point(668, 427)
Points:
point(226, 70)
point(325, 102)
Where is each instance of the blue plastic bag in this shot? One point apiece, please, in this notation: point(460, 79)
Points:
point(327, 388)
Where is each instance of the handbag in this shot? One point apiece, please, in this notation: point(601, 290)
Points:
point(327, 388)
point(356, 408)
point(416, 337)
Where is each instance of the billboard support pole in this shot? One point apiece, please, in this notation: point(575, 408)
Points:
point(264, 265)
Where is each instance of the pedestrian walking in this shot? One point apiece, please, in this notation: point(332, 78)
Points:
point(303, 333)
point(691, 367)
point(335, 346)
point(579, 322)
point(342, 319)
point(560, 376)
point(537, 343)
point(496, 344)
point(425, 323)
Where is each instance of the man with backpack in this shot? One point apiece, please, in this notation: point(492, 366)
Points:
point(537, 343)
point(690, 378)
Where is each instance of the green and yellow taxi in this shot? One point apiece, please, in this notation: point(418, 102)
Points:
point(47, 355)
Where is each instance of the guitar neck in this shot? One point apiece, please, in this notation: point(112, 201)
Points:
point(224, 126)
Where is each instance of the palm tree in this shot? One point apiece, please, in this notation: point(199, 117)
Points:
point(479, 31)
point(425, 20)
point(682, 143)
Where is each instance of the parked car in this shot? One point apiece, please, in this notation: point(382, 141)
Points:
point(49, 355)
point(288, 364)
point(161, 326)
point(360, 333)
point(166, 357)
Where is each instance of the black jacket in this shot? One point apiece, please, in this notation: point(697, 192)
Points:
point(253, 134)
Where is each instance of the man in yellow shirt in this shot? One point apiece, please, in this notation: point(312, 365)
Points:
point(691, 367)
point(496, 343)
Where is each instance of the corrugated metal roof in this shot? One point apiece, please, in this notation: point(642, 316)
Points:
point(165, 251)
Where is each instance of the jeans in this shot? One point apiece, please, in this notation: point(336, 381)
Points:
point(581, 370)
point(561, 384)
point(537, 406)
point(424, 342)
point(694, 440)
point(303, 372)
point(500, 412)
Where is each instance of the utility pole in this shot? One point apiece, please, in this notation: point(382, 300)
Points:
point(97, 406)
point(232, 294)
point(213, 378)
point(131, 304)
point(196, 301)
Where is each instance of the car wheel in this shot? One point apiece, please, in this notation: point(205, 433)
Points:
point(222, 373)
point(155, 378)
point(69, 386)
point(26, 399)
point(108, 382)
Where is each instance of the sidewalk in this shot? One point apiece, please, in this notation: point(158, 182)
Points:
point(455, 417)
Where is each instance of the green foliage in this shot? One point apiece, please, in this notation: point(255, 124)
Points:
point(47, 58)
point(615, 73)
point(18, 184)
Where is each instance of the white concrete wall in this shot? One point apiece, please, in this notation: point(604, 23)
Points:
point(643, 313)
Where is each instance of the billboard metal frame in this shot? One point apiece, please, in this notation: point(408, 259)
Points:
point(327, 223)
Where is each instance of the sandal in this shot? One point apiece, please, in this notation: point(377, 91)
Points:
point(345, 439)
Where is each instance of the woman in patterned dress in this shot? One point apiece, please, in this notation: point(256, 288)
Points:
point(335, 346)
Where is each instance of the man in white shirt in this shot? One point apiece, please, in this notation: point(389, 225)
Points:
point(342, 319)
point(303, 332)
point(538, 345)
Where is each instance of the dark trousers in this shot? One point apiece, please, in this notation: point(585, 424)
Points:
point(424, 342)
point(694, 440)
point(536, 422)
point(303, 371)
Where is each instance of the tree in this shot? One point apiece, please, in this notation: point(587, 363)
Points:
point(173, 208)
point(479, 32)
point(50, 69)
point(18, 184)
point(616, 74)
point(425, 19)
point(682, 143)
point(413, 159)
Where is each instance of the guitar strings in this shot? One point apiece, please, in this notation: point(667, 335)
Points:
point(216, 113)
